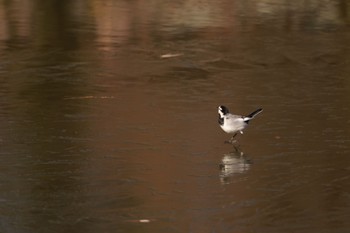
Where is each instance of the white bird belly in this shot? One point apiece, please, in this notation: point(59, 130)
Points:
point(233, 126)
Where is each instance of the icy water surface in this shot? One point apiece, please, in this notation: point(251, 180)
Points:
point(108, 116)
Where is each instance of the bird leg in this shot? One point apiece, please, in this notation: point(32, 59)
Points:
point(231, 141)
point(232, 138)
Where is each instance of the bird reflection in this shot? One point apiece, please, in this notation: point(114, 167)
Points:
point(232, 163)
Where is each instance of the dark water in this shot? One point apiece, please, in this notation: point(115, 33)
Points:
point(108, 116)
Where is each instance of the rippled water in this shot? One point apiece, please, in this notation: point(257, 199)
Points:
point(108, 117)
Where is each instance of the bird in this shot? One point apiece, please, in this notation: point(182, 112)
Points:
point(234, 124)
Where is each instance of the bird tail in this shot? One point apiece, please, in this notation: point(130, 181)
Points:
point(256, 112)
point(252, 115)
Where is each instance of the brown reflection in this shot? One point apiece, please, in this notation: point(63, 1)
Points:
point(119, 22)
point(45, 135)
point(16, 18)
point(77, 161)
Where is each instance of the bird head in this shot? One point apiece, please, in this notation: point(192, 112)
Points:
point(222, 110)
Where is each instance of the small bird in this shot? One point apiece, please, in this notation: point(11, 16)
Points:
point(233, 124)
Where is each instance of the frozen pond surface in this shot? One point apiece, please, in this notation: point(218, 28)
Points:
point(108, 116)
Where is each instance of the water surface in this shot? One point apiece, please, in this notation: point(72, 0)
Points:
point(108, 116)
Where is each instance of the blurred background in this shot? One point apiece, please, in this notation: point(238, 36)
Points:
point(108, 116)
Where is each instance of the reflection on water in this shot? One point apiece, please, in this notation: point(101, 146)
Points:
point(108, 116)
point(234, 162)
